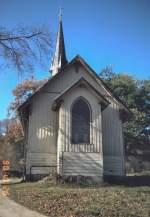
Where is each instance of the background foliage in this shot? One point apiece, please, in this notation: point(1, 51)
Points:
point(136, 95)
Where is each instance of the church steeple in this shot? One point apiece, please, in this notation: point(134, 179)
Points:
point(59, 59)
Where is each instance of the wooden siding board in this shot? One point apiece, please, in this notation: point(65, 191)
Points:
point(43, 115)
point(66, 122)
point(40, 160)
point(82, 164)
point(113, 165)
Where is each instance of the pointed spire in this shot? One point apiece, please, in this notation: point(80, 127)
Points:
point(59, 58)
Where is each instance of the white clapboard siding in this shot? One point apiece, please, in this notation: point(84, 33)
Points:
point(113, 165)
point(36, 161)
point(83, 148)
point(42, 135)
point(86, 164)
point(113, 149)
point(65, 123)
point(40, 170)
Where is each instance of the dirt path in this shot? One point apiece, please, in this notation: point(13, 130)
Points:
point(9, 208)
point(11, 181)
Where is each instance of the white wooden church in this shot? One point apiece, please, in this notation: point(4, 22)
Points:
point(73, 123)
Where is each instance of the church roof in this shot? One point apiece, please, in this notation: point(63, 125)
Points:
point(78, 60)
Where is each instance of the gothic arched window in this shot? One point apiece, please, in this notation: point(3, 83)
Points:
point(80, 122)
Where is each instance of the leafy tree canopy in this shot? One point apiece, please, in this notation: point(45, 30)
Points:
point(136, 94)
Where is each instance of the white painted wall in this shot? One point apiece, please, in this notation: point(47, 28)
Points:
point(42, 135)
point(85, 164)
point(64, 135)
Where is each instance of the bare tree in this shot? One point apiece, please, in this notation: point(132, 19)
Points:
point(24, 47)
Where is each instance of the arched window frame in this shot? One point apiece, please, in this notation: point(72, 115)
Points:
point(90, 112)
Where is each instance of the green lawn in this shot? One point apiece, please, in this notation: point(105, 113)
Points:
point(108, 201)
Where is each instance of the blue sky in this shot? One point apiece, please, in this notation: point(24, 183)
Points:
point(104, 32)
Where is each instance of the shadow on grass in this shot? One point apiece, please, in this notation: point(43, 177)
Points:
point(129, 181)
point(126, 181)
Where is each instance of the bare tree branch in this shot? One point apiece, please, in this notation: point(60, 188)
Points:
point(20, 37)
point(4, 45)
point(24, 48)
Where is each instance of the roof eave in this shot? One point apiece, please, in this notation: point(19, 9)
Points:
point(80, 60)
point(57, 102)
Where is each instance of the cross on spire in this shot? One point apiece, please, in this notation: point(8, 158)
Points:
point(60, 13)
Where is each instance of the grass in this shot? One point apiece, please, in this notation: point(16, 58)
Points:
point(71, 201)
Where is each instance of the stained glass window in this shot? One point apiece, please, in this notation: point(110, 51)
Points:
point(80, 122)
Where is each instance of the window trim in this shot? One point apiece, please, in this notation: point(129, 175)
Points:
point(90, 111)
